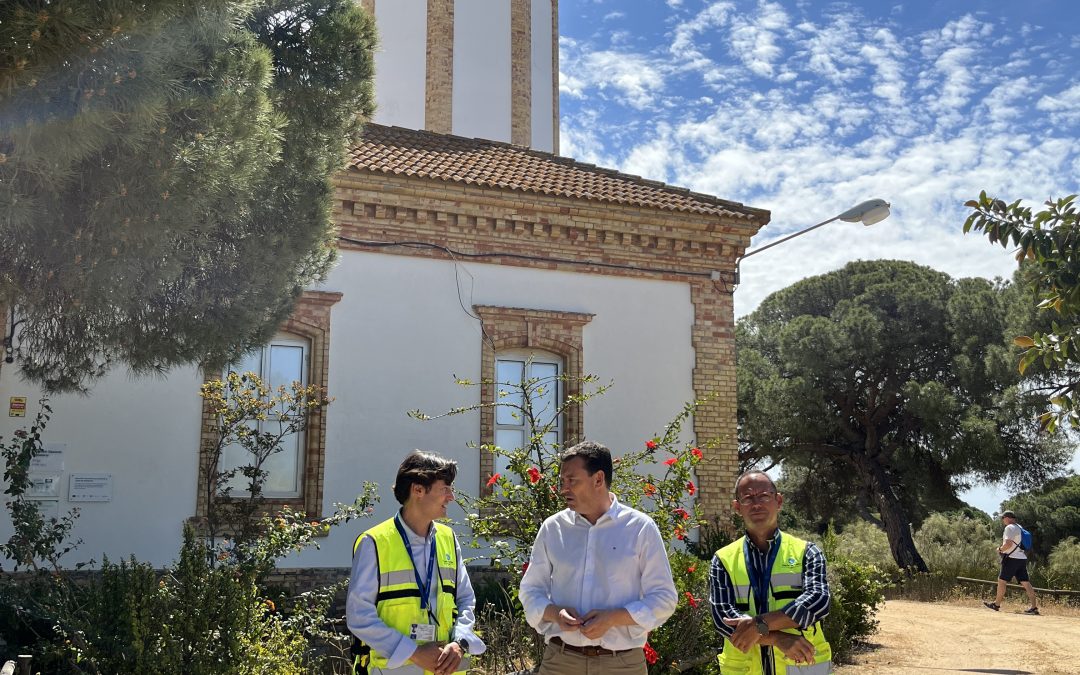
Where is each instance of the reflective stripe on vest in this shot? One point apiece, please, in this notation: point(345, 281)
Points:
point(398, 600)
point(785, 584)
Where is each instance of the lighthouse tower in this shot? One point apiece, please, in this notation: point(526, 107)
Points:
point(473, 68)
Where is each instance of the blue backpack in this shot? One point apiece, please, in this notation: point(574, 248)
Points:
point(1025, 539)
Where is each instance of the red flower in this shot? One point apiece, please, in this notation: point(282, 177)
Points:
point(534, 475)
point(671, 462)
point(696, 453)
point(691, 488)
point(651, 657)
point(651, 445)
point(680, 532)
point(691, 569)
point(682, 514)
point(691, 599)
point(494, 479)
point(649, 489)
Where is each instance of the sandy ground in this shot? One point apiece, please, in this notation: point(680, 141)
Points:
point(965, 637)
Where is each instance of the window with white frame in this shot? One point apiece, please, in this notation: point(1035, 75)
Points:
point(533, 377)
point(281, 362)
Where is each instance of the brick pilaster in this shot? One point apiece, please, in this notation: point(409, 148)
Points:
point(521, 72)
point(439, 79)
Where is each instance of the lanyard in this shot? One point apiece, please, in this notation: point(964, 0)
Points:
point(425, 588)
point(760, 584)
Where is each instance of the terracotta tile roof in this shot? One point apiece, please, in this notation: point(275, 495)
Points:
point(475, 161)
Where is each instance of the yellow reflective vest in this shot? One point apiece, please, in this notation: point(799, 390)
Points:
point(786, 584)
point(398, 599)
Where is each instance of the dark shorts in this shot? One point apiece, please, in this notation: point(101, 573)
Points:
point(1013, 567)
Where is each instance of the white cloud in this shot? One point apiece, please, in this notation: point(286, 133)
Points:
point(809, 113)
point(1064, 107)
point(754, 38)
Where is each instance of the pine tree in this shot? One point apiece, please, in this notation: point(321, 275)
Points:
point(165, 173)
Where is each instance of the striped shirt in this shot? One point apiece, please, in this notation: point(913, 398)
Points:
point(806, 610)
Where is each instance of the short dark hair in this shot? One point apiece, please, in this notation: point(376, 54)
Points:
point(753, 472)
point(422, 468)
point(597, 458)
point(1008, 514)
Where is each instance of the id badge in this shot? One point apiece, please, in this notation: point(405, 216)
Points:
point(422, 632)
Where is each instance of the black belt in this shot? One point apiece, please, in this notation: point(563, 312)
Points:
point(588, 650)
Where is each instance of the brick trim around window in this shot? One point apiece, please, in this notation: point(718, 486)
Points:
point(505, 328)
point(310, 320)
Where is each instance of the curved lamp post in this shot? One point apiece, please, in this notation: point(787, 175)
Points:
point(869, 212)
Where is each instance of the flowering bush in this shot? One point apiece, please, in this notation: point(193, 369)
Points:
point(656, 478)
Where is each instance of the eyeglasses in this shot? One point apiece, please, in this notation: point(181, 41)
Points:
point(759, 498)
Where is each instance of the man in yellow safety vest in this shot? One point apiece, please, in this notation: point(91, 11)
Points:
point(410, 603)
point(769, 591)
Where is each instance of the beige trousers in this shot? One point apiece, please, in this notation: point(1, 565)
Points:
point(559, 661)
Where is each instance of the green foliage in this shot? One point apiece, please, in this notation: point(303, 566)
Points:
point(1063, 567)
point(237, 403)
point(1049, 250)
point(857, 593)
point(35, 540)
point(1050, 512)
point(891, 380)
point(688, 641)
point(154, 154)
point(957, 545)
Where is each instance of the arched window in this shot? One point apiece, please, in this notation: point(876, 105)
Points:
point(529, 393)
point(282, 361)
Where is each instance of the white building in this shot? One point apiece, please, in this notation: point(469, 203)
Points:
point(582, 268)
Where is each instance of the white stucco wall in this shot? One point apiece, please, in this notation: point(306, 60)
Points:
point(398, 338)
point(481, 100)
point(401, 63)
point(145, 432)
point(542, 102)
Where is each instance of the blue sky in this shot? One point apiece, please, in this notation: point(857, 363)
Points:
point(807, 108)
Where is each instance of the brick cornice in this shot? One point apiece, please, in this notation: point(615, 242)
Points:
point(472, 220)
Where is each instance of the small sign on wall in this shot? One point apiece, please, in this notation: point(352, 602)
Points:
point(17, 406)
point(44, 486)
point(50, 459)
point(90, 487)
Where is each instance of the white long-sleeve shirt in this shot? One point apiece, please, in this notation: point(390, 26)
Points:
point(363, 620)
point(618, 563)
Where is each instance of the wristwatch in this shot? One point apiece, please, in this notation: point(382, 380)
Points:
point(463, 644)
point(762, 627)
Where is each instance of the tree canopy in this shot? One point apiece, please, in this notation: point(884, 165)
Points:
point(890, 387)
point(165, 173)
point(1048, 243)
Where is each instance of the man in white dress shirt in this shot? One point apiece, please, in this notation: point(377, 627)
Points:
point(598, 580)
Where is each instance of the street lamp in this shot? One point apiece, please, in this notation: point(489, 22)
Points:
point(869, 212)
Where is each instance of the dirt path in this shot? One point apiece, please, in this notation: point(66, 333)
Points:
point(918, 637)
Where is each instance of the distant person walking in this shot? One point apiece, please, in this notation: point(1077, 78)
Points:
point(1014, 562)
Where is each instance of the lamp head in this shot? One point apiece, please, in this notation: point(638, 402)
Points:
point(869, 212)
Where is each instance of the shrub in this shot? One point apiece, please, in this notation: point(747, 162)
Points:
point(956, 545)
point(857, 591)
point(1063, 564)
